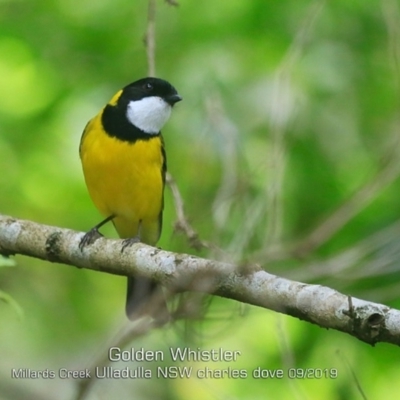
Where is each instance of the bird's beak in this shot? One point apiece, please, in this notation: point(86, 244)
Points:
point(172, 99)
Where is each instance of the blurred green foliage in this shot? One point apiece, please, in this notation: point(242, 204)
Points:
point(290, 108)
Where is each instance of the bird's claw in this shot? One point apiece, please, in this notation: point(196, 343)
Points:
point(89, 238)
point(129, 242)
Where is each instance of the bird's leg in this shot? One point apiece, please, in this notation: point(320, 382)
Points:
point(90, 237)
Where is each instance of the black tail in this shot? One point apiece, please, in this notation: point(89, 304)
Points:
point(140, 299)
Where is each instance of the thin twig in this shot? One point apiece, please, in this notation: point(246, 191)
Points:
point(172, 3)
point(343, 358)
point(391, 14)
point(349, 209)
point(182, 224)
point(222, 126)
point(280, 114)
point(150, 38)
point(129, 333)
point(287, 357)
point(302, 37)
point(388, 173)
point(338, 265)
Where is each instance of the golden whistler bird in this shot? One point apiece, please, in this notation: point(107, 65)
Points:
point(124, 164)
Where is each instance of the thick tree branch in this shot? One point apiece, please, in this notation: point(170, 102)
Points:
point(369, 322)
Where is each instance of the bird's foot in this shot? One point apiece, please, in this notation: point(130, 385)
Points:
point(129, 242)
point(89, 238)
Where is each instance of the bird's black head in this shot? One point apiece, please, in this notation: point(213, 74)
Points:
point(147, 103)
point(151, 87)
point(140, 109)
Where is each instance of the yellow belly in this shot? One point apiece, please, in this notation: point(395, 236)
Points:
point(125, 179)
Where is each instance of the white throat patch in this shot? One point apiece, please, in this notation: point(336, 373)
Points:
point(148, 114)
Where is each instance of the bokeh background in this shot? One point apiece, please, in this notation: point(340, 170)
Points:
point(285, 150)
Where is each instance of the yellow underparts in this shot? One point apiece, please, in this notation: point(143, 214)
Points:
point(124, 179)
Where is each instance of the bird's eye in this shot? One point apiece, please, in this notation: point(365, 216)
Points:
point(148, 86)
